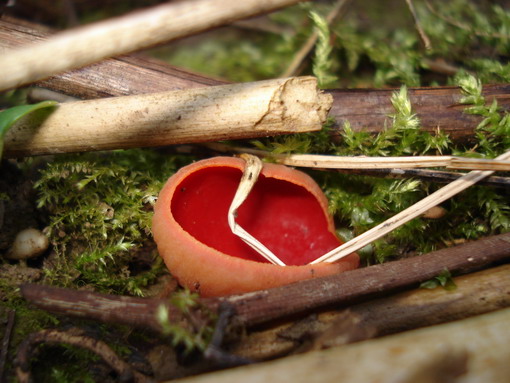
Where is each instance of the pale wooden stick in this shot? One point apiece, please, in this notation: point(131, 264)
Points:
point(253, 166)
point(85, 45)
point(361, 162)
point(408, 214)
point(339, 162)
point(195, 115)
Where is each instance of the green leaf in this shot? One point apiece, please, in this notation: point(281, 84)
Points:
point(9, 116)
point(444, 279)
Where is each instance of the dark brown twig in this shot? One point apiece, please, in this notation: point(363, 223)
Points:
point(5, 341)
point(437, 176)
point(267, 305)
point(214, 351)
point(28, 349)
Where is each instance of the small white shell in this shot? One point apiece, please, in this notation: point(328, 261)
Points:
point(29, 243)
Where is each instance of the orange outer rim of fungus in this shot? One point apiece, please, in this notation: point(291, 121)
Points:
point(213, 273)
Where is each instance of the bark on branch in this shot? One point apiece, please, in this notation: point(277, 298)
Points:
point(267, 305)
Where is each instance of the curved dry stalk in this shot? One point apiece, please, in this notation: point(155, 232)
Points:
point(74, 337)
point(252, 168)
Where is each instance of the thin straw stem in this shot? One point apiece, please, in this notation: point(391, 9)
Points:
point(408, 214)
point(360, 162)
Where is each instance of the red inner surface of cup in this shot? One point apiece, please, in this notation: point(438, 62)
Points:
point(283, 216)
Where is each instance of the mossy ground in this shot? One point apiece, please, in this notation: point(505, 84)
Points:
point(96, 208)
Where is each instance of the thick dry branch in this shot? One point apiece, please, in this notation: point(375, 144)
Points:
point(476, 293)
point(196, 115)
point(352, 286)
point(267, 305)
point(85, 45)
point(365, 109)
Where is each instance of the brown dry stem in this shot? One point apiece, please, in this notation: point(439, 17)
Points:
point(267, 305)
point(75, 337)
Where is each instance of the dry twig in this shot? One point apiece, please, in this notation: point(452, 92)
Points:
point(5, 341)
point(264, 306)
point(463, 26)
point(427, 175)
point(74, 337)
point(423, 36)
point(408, 214)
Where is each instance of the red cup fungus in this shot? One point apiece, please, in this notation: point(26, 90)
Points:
point(286, 211)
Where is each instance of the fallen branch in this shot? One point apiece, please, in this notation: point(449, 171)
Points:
point(476, 293)
point(365, 109)
point(195, 115)
point(264, 306)
point(85, 45)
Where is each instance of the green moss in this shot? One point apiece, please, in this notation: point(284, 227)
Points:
point(100, 209)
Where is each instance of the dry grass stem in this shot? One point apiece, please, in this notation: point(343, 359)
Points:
point(408, 214)
point(319, 161)
point(85, 45)
point(252, 168)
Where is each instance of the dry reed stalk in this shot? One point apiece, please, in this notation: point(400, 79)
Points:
point(194, 115)
point(346, 162)
point(408, 214)
point(85, 45)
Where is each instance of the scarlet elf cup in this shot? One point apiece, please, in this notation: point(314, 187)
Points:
point(286, 211)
